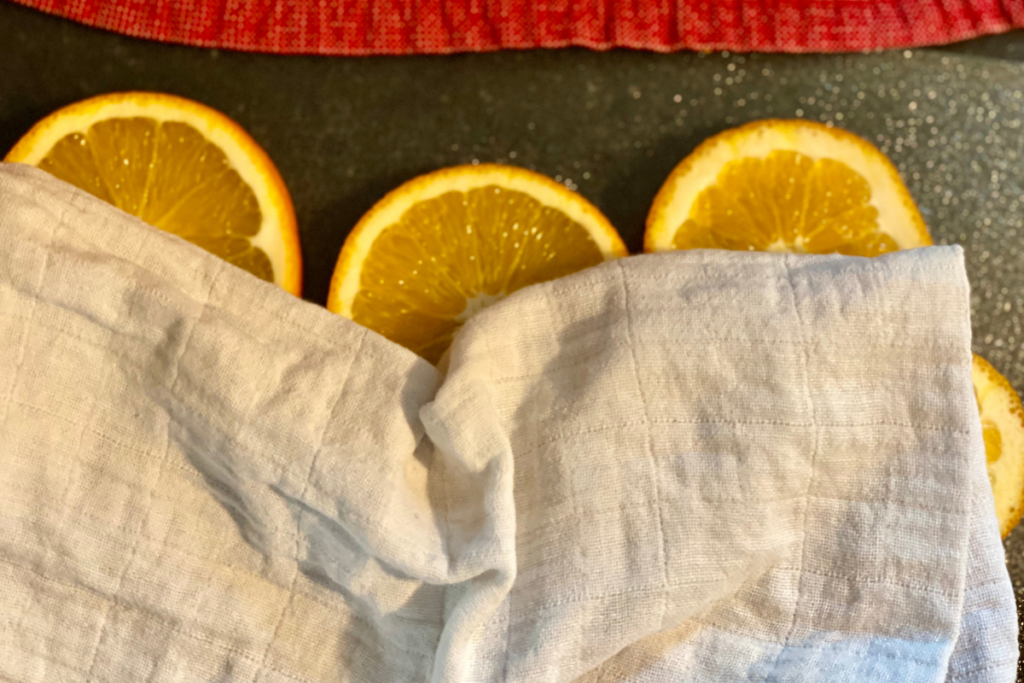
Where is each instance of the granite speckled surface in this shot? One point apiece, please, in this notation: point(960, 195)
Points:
point(345, 131)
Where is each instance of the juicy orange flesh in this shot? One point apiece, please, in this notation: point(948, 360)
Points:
point(450, 255)
point(989, 430)
point(1002, 425)
point(786, 202)
point(993, 440)
point(172, 177)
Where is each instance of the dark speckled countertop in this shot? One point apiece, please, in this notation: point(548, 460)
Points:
point(344, 131)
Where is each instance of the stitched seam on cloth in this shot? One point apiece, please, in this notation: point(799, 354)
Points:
point(576, 512)
point(940, 428)
point(548, 605)
point(156, 477)
point(196, 480)
point(582, 598)
point(175, 626)
point(921, 587)
point(662, 556)
point(903, 504)
point(711, 269)
point(32, 313)
point(888, 509)
point(773, 672)
point(44, 656)
point(139, 366)
point(83, 427)
point(329, 342)
point(19, 362)
point(133, 552)
point(560, 436)
point(302, 496)
point(535, 531)
point(189, 473)
point(227, 438)
point(446, 496)
point(742, 423)
point(35, 296)
point(508, 626)
point(890, 423)
point(831, 275)
point(544, 605)
point(688, 341)
point(243, 421)
point(87, 426)
point(821, 341)
point(182, 550)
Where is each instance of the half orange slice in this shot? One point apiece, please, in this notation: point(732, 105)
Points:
point(180, 166)
point(445, 245)
point(792, 186)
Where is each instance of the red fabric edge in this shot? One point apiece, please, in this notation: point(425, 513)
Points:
point(372, 27)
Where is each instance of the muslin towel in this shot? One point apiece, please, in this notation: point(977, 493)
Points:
point(707, 466)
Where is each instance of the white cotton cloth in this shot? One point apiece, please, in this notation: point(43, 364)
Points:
point(693, 467)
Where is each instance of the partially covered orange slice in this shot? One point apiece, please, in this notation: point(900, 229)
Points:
point(445, 245)
point(180, 166)
point(1002, 425)
point(792, 186)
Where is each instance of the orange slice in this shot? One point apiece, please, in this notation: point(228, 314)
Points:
point(445, 245)
point(792, 186)
point(179, 166)
point(1002, 424)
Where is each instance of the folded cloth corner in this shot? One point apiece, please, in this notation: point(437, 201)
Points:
point(699, 466)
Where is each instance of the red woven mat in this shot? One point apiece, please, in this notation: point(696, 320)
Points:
point(363, 27)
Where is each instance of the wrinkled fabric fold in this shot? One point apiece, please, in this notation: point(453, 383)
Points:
point(702, 466)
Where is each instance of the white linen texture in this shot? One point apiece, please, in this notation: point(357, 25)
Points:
point(701, 466)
